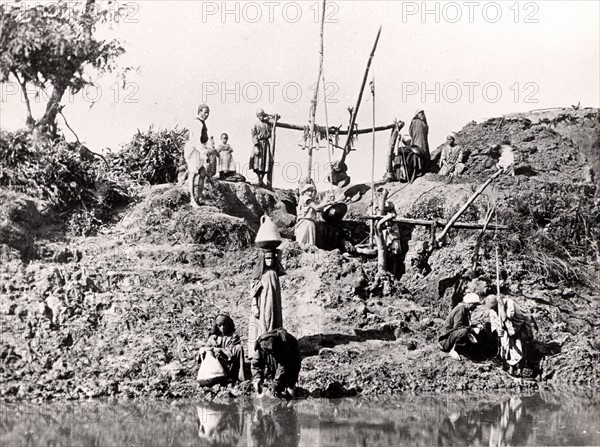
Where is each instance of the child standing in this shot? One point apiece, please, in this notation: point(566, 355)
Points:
point(226, 164)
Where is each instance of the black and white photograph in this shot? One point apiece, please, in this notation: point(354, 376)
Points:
point(311, 223)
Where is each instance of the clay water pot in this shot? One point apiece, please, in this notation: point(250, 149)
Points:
point(268, 236)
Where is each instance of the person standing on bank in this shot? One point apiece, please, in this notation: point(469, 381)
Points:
point(419, 133)
point(514, 328)
point(196, 154)
point(308, 211)
point(261, 160)
point(265, 291)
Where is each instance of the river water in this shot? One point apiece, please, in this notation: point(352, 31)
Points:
point(538, 419)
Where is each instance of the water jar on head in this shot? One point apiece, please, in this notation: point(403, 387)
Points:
point(268, 237)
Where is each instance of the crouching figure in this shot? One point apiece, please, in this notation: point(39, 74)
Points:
point(277, 358)
point(459, 337)
point(224, 345)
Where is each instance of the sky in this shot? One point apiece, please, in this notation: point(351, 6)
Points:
point(459, 61)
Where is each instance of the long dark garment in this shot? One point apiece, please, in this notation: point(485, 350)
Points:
point(407, 164)
point(261, 160)
point(278, 358)
point(419, 132)
point(266, 288)
point(457, 329)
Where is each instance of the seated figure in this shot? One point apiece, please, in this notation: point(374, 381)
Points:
point(226, 346)
point(451, 159)
point(408, 163)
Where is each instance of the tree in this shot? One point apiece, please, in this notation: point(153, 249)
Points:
point(54, 45)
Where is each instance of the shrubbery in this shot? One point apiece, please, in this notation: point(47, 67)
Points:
point(555, 230)
point(55, 173)
point(86, 192)
point(152, 157)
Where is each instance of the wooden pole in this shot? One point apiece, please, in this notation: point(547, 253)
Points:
point(312, 128)
point(460, 212)
point(381, 247)
point(360, 93)
point(283, 125)
point(428, 223)
point(273, 140)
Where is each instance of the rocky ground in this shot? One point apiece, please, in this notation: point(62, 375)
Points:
point(122, 314)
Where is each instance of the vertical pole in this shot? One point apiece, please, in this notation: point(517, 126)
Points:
point(312, 128)
point(272, 149)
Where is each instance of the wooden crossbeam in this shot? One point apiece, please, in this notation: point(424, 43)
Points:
point(441, 223)
point(334, 130)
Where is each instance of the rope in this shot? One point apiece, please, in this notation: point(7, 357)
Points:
point(496, 240)
point(327, 132)
point(373, 151)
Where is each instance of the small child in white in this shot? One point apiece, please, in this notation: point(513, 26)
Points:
point(226, 163)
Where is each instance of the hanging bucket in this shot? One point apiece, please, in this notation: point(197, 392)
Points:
point(367, 250)
point(335, 212)
point(268, 236)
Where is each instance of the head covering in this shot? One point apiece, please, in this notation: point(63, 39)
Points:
point(419, 111)
point(406, 139)
point(491, 301)
point(226, 321)
point(202, 107)
point(269, 340)
point(471, 298)
point(260, 267)
point(308, 187)
point(260, 112)
point(450, 137)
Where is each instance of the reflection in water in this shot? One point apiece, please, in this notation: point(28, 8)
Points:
point(219, 425)
point(538, 419)
point(504, 430)
point(266, 423)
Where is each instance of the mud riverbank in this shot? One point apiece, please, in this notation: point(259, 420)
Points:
point(123, 313)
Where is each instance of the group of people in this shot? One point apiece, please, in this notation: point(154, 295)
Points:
point(203, 157)
point(508, 334)
point(411, 156)
point(273, 354)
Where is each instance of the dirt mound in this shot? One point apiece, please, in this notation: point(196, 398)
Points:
point(555, 146)
point(20, 221)
point(229, 216)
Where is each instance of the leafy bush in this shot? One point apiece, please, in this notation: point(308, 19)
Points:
point(84, 223)
point(555, 230)
point(152, 157)
point(56, 174)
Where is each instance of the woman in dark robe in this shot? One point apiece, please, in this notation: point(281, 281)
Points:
point(265, 291)
point(419, 132)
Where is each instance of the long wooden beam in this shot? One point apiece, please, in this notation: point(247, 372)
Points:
point(333, 130)
point(441, 223)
